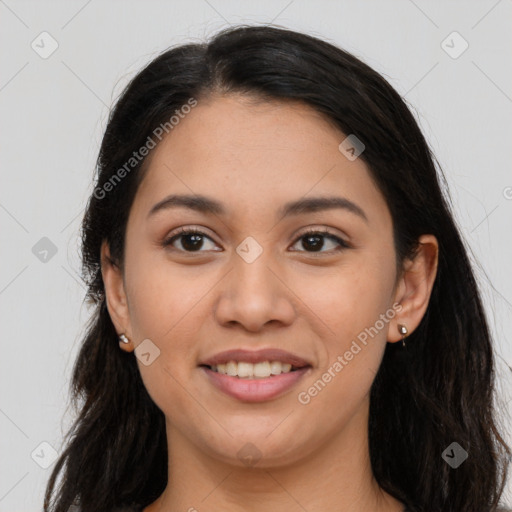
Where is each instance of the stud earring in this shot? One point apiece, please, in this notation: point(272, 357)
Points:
point(123, 338)
point(402, 329)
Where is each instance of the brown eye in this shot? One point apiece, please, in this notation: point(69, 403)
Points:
point(191, 240)
point(314, 241)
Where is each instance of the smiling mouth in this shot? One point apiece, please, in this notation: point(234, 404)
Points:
point(245, 370)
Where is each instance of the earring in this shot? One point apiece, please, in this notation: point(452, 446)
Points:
point(123, 338)
point(402, 329)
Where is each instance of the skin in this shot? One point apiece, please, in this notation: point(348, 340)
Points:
point(253, 157)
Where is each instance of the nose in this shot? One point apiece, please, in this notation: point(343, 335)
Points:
point(254, 294)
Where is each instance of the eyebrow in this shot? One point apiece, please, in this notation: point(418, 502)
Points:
point(207, 205)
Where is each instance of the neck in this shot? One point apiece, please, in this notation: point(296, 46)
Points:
point(337, 477)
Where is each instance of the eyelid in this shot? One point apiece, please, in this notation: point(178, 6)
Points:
point(183, 230)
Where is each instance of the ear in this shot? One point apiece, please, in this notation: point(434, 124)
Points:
point(115, 296)
point(415, 286)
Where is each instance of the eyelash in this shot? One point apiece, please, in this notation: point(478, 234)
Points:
point(322, 232)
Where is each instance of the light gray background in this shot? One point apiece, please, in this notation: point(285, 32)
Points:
point(54, 110)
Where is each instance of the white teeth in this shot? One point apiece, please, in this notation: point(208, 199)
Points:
point(245, 370)
point(275, 367)
point(231, 368)
point(262, 369)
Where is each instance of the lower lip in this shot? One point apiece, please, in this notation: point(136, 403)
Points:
point(255, 390)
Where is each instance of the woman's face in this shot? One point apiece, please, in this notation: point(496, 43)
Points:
point(254, 280)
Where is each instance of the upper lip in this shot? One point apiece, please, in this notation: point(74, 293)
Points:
point(256, 356)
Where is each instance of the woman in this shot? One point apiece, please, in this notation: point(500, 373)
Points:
point(286, 317)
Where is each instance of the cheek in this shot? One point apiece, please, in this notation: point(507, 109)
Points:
point(350, 300)
point(164, 296)
point(166, 308)
point(166, 304)
point(353, 303)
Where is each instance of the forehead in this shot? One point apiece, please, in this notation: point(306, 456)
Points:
point(249, 152)
point(236, 125)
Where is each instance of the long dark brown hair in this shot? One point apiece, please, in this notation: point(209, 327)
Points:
point(438, 391)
